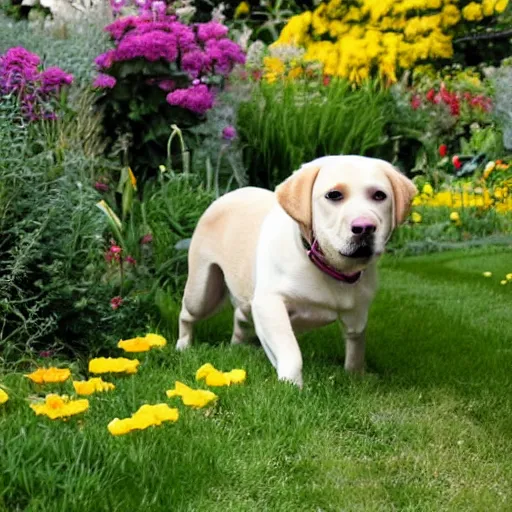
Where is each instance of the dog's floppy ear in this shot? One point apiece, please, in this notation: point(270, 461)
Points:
point(294, 195)
point(404, 191)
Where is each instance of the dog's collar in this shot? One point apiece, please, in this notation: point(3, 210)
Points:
point(316, 255)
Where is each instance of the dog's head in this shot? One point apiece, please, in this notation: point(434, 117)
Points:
point(350, 204)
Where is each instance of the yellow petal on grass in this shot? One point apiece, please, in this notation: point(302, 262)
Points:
point(204, 371)
point(192, 397)
point(508, 277)
point(146, 416)
point(155, 340)
point(217, 379)
point(49, 375)
point(113, 365)
point(93, 385)
point(236, 376)
point(487, 274)
point(3, 396)
point(134, 345)
point(504, 281)
point(56, 406)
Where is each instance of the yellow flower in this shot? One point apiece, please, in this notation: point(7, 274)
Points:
point(133, 179)
point(146, 416)
point(473, 12)
point(56, 406)
point(134, 345)
point(214, 377)
point(503, 281)
point(455, 217)
point(509, 277)
point(488, 7)
point(242, 9)
point(3, 396)
point(487, 274)
point(88, 387)
point(49, 375)
point(113, 365)
point(155, 340)
point(500, 6)
point(416, 217)
point(191, 397)
point(427, 189)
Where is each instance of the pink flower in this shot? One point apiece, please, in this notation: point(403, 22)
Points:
point(103, 81)
point(211, 30)
point(197, 99)
point(116, 302)
point(101, 187)
point(229, 133)
point(415, 102)
point(326, 80)
point(105, 60)
point(130, 260)
point(146, 239)
point(45, 353)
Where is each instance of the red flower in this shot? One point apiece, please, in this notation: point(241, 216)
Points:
point(146, 239)
point(456, 162)
point(256, 75)
point(431, 95)
point(326, 80)
point(443, 150)
point(416, 102)
point(455, 107)
point(130, 260)
point(116, 302)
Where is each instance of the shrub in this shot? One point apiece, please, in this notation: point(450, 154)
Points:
point(286, 124)
point(161, 72)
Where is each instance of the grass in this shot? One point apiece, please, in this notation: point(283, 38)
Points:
point(428, 427)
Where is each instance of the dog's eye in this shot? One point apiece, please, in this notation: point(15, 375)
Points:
point(334, 195)
point(379, 196)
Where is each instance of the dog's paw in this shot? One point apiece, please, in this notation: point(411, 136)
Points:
point(182, 344)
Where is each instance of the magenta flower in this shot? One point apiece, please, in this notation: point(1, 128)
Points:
point(116, 302)
point(101, 187)
point(105, 60)
point(211, 30)
point(146, 239)
point(229, 133)
point(159, 8)
point(103, 81)
point(197, 99)
point(130, 260)
point(195, 62)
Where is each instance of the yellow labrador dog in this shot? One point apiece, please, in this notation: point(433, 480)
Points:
point(302, 257)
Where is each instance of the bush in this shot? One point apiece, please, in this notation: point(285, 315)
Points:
point(283, 125)
point(161, 72)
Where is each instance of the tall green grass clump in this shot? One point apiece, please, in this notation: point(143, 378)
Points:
point(285, 124)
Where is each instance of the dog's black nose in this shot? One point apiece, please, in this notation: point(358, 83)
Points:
point(363, 226)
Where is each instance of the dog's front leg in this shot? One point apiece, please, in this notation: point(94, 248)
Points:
point(274, 330)
point(355, 340)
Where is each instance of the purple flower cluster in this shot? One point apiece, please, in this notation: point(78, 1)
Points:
point(201, 50)
point(197, 98)
point(20, 76)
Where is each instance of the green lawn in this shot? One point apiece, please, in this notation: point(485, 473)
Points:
point(428, 428)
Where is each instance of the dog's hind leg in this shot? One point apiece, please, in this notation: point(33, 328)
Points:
point(242, 326)
point(205, 293)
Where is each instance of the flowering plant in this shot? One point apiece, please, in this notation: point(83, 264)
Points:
point(360, 38)
point(37, 91)
point(160, 72)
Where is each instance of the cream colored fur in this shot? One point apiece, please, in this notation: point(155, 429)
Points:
point(247, 246)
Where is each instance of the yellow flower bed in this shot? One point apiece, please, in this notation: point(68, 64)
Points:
point(355, 39)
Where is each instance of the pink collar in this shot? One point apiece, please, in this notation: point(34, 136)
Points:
point(316, 255)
